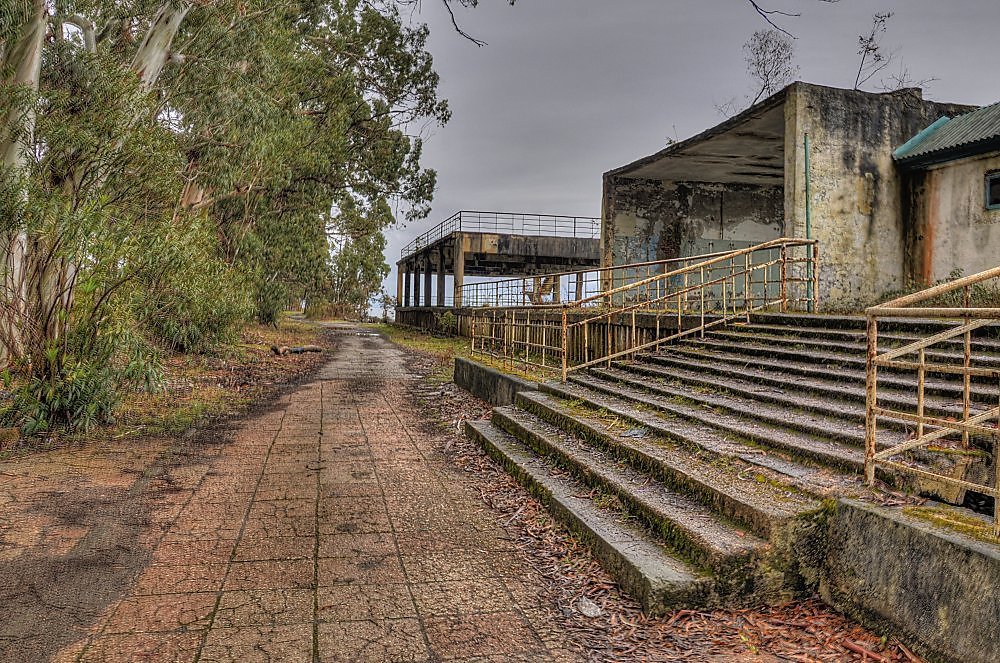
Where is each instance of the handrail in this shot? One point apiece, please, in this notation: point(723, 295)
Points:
point(472, 292)
point(980, 421)
point(591, 328)
point(936, 290)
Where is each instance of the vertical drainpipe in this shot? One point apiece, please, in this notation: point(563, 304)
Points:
point(809, 265)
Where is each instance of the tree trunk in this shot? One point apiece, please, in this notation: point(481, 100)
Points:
point(23, 58)
point(154, 51)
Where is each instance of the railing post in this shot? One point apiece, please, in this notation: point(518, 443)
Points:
point(608, 351)
point(784, 278)
point(966, 363)
point(473, 333)
point(814, 300)
point(747, 299)
point(680, 306)
point(634, 342)
point(565, 345)
point(701, 274)
point(871, 396)
point(996, 471)
point(921, 382)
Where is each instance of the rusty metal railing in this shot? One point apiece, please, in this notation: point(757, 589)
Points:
point(643, 306)
point(511, 223)
point(979, 422)
point(574, 286)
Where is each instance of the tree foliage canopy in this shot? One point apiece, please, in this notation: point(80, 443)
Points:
point(172, 168)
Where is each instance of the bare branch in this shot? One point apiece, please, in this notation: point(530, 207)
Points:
point(873, 60)
point(458, 28)
point(766, 14)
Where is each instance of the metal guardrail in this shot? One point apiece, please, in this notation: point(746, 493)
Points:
point(558, 287)
point(934, 434)
point(512, 223)
point(713, 289)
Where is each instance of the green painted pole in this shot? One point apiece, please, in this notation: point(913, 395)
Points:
point(809, 265)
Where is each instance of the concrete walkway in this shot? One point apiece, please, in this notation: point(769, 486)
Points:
point(329, 530)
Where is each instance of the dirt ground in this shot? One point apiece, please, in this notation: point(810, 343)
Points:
point(347, 520)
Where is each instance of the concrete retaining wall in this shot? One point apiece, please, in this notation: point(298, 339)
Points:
point(906, 577)
point(488, 383)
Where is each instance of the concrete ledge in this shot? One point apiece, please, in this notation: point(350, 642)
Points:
point(488, 383)
point(935, 589)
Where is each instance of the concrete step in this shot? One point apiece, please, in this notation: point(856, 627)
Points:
point(714, 474)
point(846, 429)
point(799, 446)
point(911, 326)
point(943, 398)
point(687, 526)
point(752, 337)
point(639, 563)
point(988, 345)
point(773, 466)
point(788, 395)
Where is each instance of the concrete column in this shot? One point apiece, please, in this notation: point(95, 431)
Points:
point(556, 287)
point(459, 267)
point(427, 281)
point(407, 281)
point(579, 285)
point(399, 284)
point(440, 277)
point(416, 283)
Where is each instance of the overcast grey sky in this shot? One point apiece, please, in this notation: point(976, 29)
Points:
point(567, 89)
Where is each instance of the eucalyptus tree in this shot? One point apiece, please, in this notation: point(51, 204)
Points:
point(168, 165)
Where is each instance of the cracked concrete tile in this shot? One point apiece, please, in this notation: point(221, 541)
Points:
point(363, 569)
point(359, 602)
point(504, 634)
point(437, 566)
point(352, 545)
point(461, 597)
point(273, 574)
point(162, 613)
point(252, 549)
point(180, 579)
point(183, 551)
point(271, 607)
point(259, 644)
point(146, 647)
point(376, 641)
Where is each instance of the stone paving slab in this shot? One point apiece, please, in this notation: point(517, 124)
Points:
point(324, 530)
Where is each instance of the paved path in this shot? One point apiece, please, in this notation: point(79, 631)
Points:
point(328, 530)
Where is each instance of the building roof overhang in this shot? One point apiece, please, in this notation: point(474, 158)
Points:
point(747, 148)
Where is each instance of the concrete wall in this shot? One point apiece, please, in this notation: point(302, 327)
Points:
point(903, 576)
point(857, 207)
point(658, 220)
point(489, 384)
point(950, 227)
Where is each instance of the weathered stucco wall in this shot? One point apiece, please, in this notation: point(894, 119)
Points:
point(950, 227)
point(657, 220)
point(857, 207)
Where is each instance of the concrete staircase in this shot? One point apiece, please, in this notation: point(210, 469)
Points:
point(701, 474)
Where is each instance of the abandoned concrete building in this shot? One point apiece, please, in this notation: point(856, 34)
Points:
point(892, 185)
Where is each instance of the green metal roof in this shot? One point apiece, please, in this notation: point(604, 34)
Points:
point(953, 138)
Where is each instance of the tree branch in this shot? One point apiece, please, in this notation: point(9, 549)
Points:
point(87, 27)
point(458, 28)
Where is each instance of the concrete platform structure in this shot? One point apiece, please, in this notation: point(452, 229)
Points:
point(492, 244)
